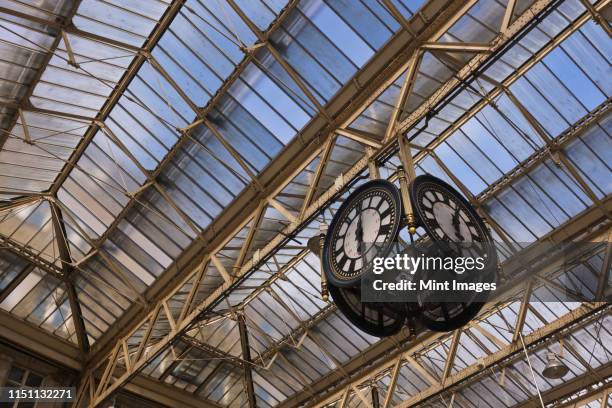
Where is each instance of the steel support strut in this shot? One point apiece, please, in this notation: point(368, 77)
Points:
point(246, 356)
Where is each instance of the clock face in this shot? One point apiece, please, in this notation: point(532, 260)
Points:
point(373, 318)
point(446, 216)
point(364, 227)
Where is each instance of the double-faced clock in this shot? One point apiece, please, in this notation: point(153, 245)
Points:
point(374, 318)
point(364, 227)
point(456, 230)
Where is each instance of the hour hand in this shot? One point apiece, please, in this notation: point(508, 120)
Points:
point(457, 224)
point(359, 233)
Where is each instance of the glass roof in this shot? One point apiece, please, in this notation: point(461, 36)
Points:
point(143, 146)
point(130, 236)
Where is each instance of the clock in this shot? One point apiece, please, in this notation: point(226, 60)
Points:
point(364, 227)
point(456, 230)
point(374, 318)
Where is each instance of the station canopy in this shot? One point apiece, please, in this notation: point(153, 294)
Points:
point(163, 164)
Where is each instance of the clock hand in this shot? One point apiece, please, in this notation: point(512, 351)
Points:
point(456, 223)
point(359, 232)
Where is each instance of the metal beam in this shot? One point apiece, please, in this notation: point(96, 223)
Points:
point(450, 358)
point(31, 256)
point(399, 17)
point(392, 383)
point(404, 95)
point(316, 178)
point(361, 137)
point(522, 314)
point(61, 240)
point(246, 356)
point(457, 47)
point(16, 281)
point(508, 14)
point(248, 240)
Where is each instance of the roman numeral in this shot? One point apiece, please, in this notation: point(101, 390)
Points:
point(384, 229)
point(339, 251)
point(385, 213)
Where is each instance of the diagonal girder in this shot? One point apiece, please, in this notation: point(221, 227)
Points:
point(246, 356)
point(61, 239)
point(30, 255)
